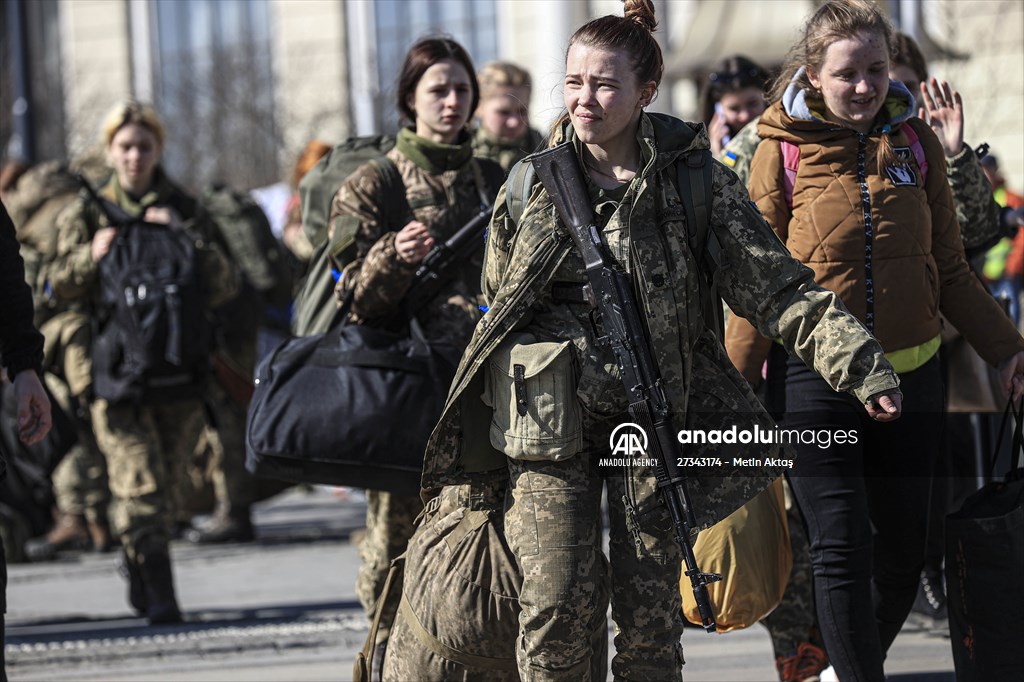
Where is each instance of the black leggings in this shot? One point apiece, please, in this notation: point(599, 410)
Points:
point(865, 504)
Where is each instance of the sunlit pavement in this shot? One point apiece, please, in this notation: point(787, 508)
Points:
point(284, 608)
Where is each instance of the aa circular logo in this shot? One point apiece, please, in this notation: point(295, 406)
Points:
point(628, 440)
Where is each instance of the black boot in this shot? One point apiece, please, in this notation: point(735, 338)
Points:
point(130, 571)
point(224, 527)
point(162, 605)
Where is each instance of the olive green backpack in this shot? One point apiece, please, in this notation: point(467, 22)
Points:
point(315, 309)
point(450, 607)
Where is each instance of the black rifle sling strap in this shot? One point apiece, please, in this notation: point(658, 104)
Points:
point(694, 184)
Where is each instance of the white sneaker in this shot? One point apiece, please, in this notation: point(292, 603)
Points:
point(828, 675)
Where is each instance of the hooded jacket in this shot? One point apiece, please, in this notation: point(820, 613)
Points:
point(886, 240)
point(757, 278)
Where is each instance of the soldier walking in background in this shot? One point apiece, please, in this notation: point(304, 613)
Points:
point(504, 134)
point(146, 430)
point(80, 487)
point(390, 221)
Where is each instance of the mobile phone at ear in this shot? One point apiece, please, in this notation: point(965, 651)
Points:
point(721, 113)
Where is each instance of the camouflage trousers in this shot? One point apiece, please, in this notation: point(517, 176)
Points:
point(147, 449)
point(390, 522)
point(794, 621)
point(553, 526)
point(233, 486)
point(80, 480)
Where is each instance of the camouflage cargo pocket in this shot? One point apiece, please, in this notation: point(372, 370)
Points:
point(531, 387)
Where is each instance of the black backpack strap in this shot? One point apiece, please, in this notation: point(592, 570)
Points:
point(521, 178)
point(694, 184)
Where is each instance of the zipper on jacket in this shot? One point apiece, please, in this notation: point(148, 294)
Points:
point(869, 232)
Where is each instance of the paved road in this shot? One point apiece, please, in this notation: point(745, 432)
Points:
point(285, 608)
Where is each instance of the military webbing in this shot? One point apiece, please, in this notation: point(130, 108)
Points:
point(694, 185)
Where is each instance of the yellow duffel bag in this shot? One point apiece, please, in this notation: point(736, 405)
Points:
point(750, 548)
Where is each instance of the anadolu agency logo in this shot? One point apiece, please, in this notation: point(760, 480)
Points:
point(628, 440)
point(628, 445)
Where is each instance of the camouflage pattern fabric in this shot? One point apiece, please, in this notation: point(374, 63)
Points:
point(80, 480)
point(73, 274)
point(390, 522)
point(647, 234)
point(553, 526)
point(740, 151)
point(147, 450)
point(506, 154)
point(233, 486)
point(443, 188)
point(443, 191)
point(976, 210)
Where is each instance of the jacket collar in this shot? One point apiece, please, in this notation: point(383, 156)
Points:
point(803, 104)
point(662, 139)
point(434, 157)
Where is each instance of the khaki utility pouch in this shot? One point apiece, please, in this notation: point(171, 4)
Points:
point(531, 386)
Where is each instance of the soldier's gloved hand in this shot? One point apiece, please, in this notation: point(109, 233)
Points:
point(885, 407)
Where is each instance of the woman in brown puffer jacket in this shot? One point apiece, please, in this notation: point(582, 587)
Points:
point(858, 192)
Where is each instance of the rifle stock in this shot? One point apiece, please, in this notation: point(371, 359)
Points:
point(559, 171)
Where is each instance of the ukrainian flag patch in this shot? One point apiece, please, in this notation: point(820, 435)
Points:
point(730, 159)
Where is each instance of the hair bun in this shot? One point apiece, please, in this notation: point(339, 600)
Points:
point(642, 12)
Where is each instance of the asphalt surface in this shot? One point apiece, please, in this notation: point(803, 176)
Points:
point(284, 608)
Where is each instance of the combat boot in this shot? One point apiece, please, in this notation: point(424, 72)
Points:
point(224, 527)
point(158, 581)
point(99, 533)
point(69, 532)
point(130, 571)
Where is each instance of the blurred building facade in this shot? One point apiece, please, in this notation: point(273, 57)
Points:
point(244, 84)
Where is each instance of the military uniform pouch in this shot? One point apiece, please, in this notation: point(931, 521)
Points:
point(531, 386)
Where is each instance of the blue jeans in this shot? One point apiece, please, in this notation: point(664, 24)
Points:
point(865, 505)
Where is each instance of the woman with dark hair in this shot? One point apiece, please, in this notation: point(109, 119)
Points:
point(732, 97)
point(387, 216)
point(539, 392)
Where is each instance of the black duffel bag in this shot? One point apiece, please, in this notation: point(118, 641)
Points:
point(985, 574)
point(353, 407)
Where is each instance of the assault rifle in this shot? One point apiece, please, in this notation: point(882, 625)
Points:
point(437, 267)
point(560, 173)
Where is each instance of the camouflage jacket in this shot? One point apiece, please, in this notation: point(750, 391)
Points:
point(444, 187)
point(976, 211)
point(506, 154)
point(758, 279)
point(73, 276)
point(40, 196)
